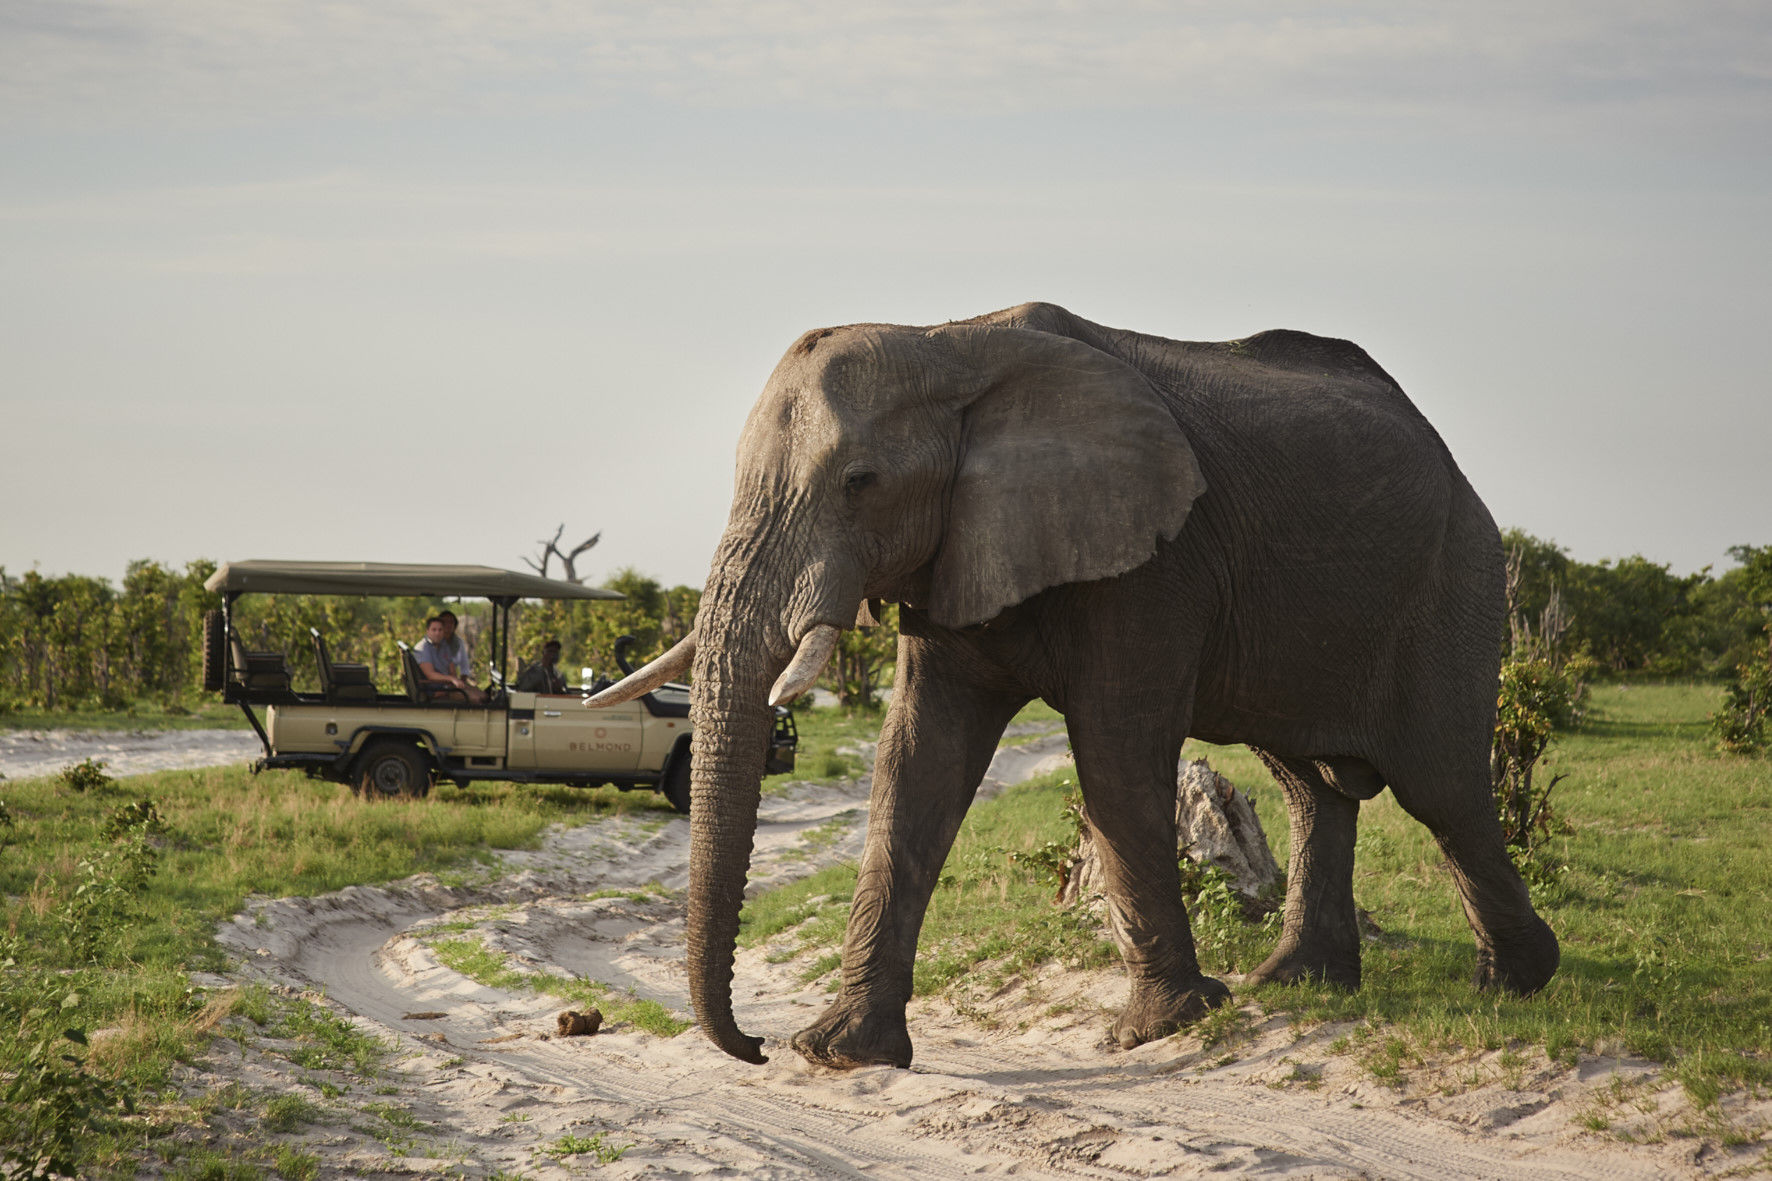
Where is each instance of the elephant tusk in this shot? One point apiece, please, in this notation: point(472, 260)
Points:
point(815, 651)
point(646, 679)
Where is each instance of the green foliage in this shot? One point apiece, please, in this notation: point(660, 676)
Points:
point(1535, 699)
point(1632, 615)
point(859, 664)
point(655, 616)
point(1052, 861)
point(86, 775)
point(1542, 689)
point(110, 877)
point(79, 643)
point(1742, 725)
point(149, 900)
point(1230, 934)
point(52, 1103)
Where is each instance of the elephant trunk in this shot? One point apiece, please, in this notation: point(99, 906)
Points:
point(763, 600)
point(732, 725)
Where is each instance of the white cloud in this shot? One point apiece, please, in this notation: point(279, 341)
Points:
point(114, 61)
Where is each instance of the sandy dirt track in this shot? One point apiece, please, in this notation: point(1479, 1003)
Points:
point(25, 754)
point(1023, 1083)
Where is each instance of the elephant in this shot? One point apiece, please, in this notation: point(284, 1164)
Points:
point(1259, 541)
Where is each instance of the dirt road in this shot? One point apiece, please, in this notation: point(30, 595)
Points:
point(1024, 1083)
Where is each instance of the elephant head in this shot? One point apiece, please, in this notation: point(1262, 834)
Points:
point(958, 470)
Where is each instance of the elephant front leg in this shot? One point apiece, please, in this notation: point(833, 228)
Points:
point(936, 744)
point(1129, 798)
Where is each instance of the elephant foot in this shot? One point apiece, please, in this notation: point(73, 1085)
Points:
point(1522, 964)
point(846, 1037)
point(1297, 961)
point(1156, 1013)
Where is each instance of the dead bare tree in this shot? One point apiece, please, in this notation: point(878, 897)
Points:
point(551, 550)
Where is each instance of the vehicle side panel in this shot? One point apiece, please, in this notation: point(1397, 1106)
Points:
point(570, 737)
point(661, 735)
point(342, 729)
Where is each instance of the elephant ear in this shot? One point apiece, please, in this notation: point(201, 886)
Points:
point(1071, 469)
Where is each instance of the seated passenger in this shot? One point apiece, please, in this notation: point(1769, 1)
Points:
point(443, 656)
point(542, 676)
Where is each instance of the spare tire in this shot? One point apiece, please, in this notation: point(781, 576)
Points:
point(215, 651)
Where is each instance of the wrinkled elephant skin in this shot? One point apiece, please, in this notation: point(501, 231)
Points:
point(1259, 541)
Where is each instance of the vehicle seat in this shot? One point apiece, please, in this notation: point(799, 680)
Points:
point(258, 672)
point(341, 682)
point(420, 690)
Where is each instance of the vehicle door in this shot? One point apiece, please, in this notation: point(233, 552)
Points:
point(568, 737)
point(520, 724)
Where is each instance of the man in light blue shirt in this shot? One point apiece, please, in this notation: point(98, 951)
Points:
point(443, 656)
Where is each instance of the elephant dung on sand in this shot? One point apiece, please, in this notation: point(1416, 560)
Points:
point(1258, 541)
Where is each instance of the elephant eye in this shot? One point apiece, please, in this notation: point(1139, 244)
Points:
point(859, 481)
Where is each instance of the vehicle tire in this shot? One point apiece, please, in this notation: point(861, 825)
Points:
point(393, 770)
point(215, 647)
point(676, 781)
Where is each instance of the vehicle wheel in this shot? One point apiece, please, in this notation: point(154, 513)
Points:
point(215, 646)
point(391, 770)
point(676, 782)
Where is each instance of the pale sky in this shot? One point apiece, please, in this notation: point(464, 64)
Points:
point(402, 280)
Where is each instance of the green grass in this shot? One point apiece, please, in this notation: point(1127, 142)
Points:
point(230, 835)
point(594, 1146)
point(472, 958)
point(1662, 910)
point(207, 714)
point(822, 730)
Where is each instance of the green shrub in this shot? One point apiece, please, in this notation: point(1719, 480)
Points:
point(111, 877)
point(86, 775)
point(1741, 726)
point(1535, 699)
point(51, 1103)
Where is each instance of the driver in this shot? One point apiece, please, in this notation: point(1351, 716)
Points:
point(443, 656)
point(542, 676)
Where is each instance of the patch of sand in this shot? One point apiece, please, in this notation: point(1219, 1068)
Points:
point(27, 754)
point(1024, 1082)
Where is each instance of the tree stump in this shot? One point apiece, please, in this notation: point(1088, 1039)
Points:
point(1215, 824)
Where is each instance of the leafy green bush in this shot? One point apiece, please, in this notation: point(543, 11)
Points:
point(86, 775)
point(1230, 934)
point(1534, 700)
point(1542, 689)
point(111, 877)
point(51, 1102)
point(1741, 726)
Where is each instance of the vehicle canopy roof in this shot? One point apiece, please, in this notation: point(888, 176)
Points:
point(392, 578)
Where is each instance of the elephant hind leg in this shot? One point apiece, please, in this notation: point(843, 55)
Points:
point(1128, 783)
point(1320, 934)
point(1516, 949)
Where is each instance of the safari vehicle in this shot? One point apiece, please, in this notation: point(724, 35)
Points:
point(398, 744)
